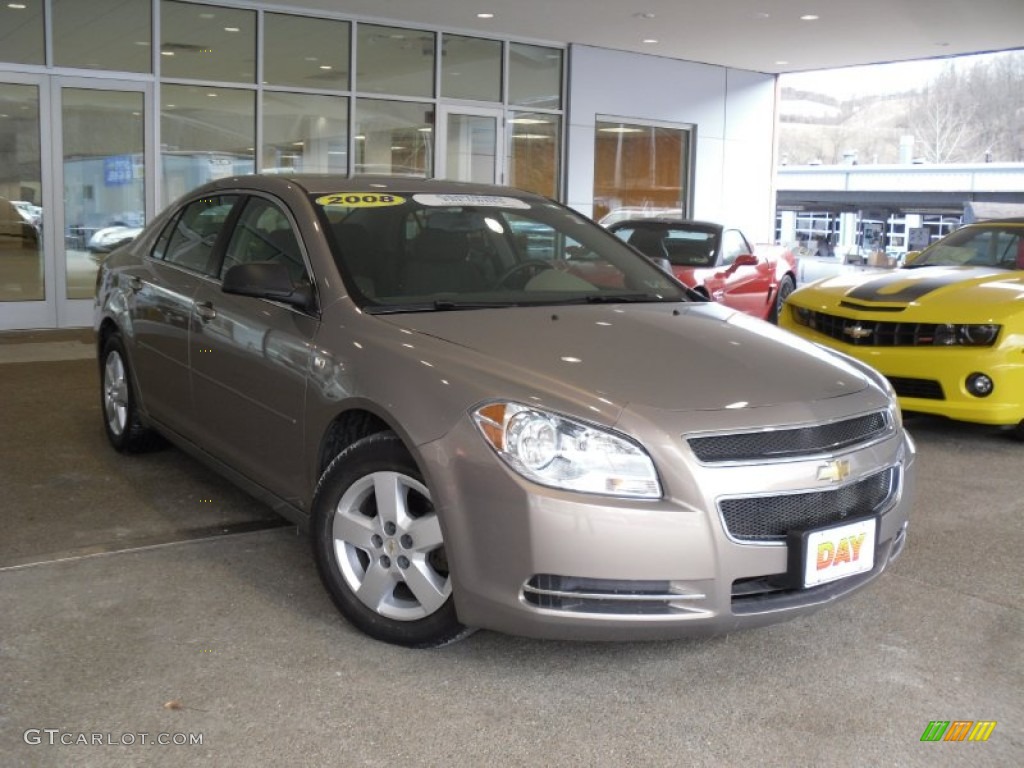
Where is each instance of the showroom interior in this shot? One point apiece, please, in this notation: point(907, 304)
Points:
point(151, 595)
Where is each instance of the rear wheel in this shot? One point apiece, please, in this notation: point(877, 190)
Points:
point(1018, 431)
point(121, 421)
point(379, 548)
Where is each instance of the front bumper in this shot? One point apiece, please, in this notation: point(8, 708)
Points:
point(934, 379)
point(540, 562)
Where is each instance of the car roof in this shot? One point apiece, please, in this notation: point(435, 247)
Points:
point(315, 183)
point(1015, 221)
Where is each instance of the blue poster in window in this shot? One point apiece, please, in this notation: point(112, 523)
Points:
point(117, 170)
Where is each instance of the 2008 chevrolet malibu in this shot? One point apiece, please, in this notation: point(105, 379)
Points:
point(490, 412)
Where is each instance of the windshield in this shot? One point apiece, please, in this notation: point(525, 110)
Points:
point(683, 246)
point(420, 252)
point(1000, 247)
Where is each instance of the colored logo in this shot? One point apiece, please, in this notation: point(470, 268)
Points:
point(958, 730)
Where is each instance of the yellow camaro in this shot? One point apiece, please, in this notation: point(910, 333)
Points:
point(947, 329)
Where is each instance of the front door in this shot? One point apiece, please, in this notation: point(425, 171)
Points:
point(470, 143)
point(251, 357)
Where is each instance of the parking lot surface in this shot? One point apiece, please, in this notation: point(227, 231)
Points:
point(145, 596)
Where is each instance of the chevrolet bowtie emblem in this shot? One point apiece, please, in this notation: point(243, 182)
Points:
point(857, 331)
point(835, 471)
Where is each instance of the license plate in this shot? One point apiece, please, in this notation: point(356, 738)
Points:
point(837, 552)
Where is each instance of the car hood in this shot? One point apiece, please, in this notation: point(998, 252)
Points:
point(977, 288)
point(675, 357)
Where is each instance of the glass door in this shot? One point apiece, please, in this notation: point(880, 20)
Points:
point(100, 130)
point(470, 145)
point(26, 281)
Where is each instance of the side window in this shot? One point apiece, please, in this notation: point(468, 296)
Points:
point(264, 234)
point(195, 233)
point(733, 244)
point(160, 248)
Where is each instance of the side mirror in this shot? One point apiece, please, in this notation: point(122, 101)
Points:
point(745, 260)
point(266, 280)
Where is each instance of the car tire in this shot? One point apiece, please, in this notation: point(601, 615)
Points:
point(384, 564)
point(121, 421)
point(786, 287)
point(1018, 431)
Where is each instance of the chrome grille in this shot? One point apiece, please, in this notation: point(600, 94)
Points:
point(785, 443)
point(576, 594)
point(770, 518)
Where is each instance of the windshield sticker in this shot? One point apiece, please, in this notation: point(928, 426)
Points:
point(489, 201)
point(359, 200)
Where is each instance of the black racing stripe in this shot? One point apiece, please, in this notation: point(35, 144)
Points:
point(872, 290)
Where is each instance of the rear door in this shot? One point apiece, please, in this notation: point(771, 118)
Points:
point(251, 357)
point(163, 289)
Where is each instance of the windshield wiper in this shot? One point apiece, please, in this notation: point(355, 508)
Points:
point(623, 298)
point(440, 305)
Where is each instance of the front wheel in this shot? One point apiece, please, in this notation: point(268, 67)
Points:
point(786, 287)
point(379, 548)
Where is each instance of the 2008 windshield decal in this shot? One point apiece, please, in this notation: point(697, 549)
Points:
point(360, 200)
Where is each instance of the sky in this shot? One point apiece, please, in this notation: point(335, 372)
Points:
point(878, 79)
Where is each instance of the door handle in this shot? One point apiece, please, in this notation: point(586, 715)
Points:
point(205, 311)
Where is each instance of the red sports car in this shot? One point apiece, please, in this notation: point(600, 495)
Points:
point(717, 261)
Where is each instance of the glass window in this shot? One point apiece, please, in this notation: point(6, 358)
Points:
point(206, 133)
point(535, 76)
point(196, 231)
point(104, 190)
point(103, 34)
point(304, 133)
point(640, 170)
point(21, 32)
point(207, 42)
point(393, 137)
point(264, 234)
point(470, 68)
point(983, 245)
point(472, 147)
point(21, 188)
point(534, 152)
point(395, 61)
point(733, 244)
point(419, 250)
point(305, 52)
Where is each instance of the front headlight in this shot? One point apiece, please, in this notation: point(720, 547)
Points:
point(966, 335)
point(802, 315)
point(560, 452)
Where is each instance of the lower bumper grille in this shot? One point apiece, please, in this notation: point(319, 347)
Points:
point(606, 596)
point(760, 519)
point(926, 389)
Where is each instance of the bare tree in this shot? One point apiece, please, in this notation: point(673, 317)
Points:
point(942, 118)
